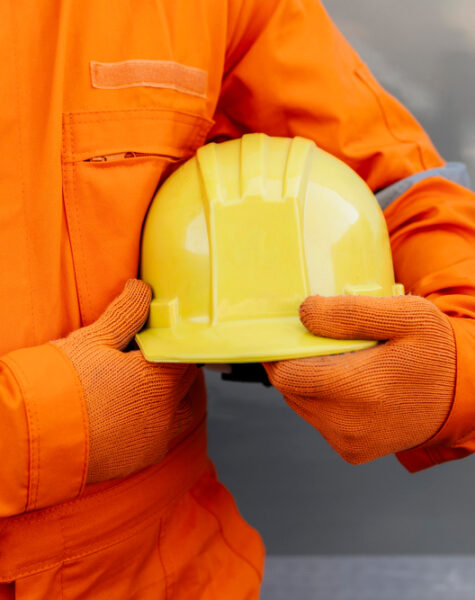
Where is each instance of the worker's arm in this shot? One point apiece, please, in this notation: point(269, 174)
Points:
point(432, 229)
point(290, 72)
point(44, 432)
point(80, 410)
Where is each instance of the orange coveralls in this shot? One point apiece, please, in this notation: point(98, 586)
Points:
point(146, 84)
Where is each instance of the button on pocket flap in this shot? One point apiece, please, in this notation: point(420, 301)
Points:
point(143, 131)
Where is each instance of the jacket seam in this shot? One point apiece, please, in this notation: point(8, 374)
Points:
point(132, 531)
point(33, 429)
point(139, 524)
point(84, 417)
point(74, 201)
point(199, 127)
point(28, 250)
point(25, 212)
point(143, 113)
point(118, 488)
point(21, 390)
point(66, 183)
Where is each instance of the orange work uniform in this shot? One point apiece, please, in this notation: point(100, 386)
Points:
point(99, 102)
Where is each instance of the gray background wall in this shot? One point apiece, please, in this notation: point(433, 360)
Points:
point(287, 482)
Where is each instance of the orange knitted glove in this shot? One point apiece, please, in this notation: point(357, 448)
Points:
point(133, 406)
point(378, 401)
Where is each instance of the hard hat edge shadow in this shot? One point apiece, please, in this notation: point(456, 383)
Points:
point(234, 223)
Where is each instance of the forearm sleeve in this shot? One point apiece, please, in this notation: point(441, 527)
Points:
point(289, 72)
point(43, 430)
point(432, 229)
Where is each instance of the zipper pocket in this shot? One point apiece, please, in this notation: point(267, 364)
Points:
point(121, 156)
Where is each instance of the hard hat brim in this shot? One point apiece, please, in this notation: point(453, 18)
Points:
point(240, 342)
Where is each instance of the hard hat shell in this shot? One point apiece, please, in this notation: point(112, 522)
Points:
point(241, 234)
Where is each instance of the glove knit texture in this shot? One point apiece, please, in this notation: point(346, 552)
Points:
point(134, 407)
point(374, 402)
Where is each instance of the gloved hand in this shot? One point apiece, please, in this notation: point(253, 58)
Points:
point(378, 401)
point(133, 406)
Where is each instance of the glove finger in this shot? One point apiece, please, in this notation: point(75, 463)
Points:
point(124, 316)
point(364, 317)
point(322, 377)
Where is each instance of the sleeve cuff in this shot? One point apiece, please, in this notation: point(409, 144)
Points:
point(57, 424)
point(456, 438)
point(418, 459)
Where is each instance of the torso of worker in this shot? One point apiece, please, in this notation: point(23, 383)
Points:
point(85, 144)
point(100, 101)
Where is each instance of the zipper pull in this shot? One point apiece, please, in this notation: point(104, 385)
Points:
point(111, 157)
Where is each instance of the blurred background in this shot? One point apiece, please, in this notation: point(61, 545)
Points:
point(312, 509)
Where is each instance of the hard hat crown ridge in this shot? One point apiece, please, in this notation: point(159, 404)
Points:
point(253, 228)
point(241, 234)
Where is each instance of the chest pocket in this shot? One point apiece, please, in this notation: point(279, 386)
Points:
point(112, 163)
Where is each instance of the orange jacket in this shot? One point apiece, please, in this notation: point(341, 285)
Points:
point(146, 85)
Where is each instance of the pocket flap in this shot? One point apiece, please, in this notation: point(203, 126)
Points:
point(154, 131)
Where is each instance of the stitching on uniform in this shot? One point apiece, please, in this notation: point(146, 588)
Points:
point(103, 117)
point(85, 423)
point(28, 247)
point(153, 111)
point(66, 171)
point(142, 522)
point(200, 125)
point(76, 249)
point(135, 529)
point(221, 531)
point(30, 408)
point(75, 207)
point(25, 215)
point(37, 440)
point(18, 382)
point(118, 488)
point(149, 73)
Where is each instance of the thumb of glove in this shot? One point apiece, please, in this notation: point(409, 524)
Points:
point(123, 318)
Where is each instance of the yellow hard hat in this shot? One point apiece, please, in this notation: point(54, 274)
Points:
point(241, 234)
